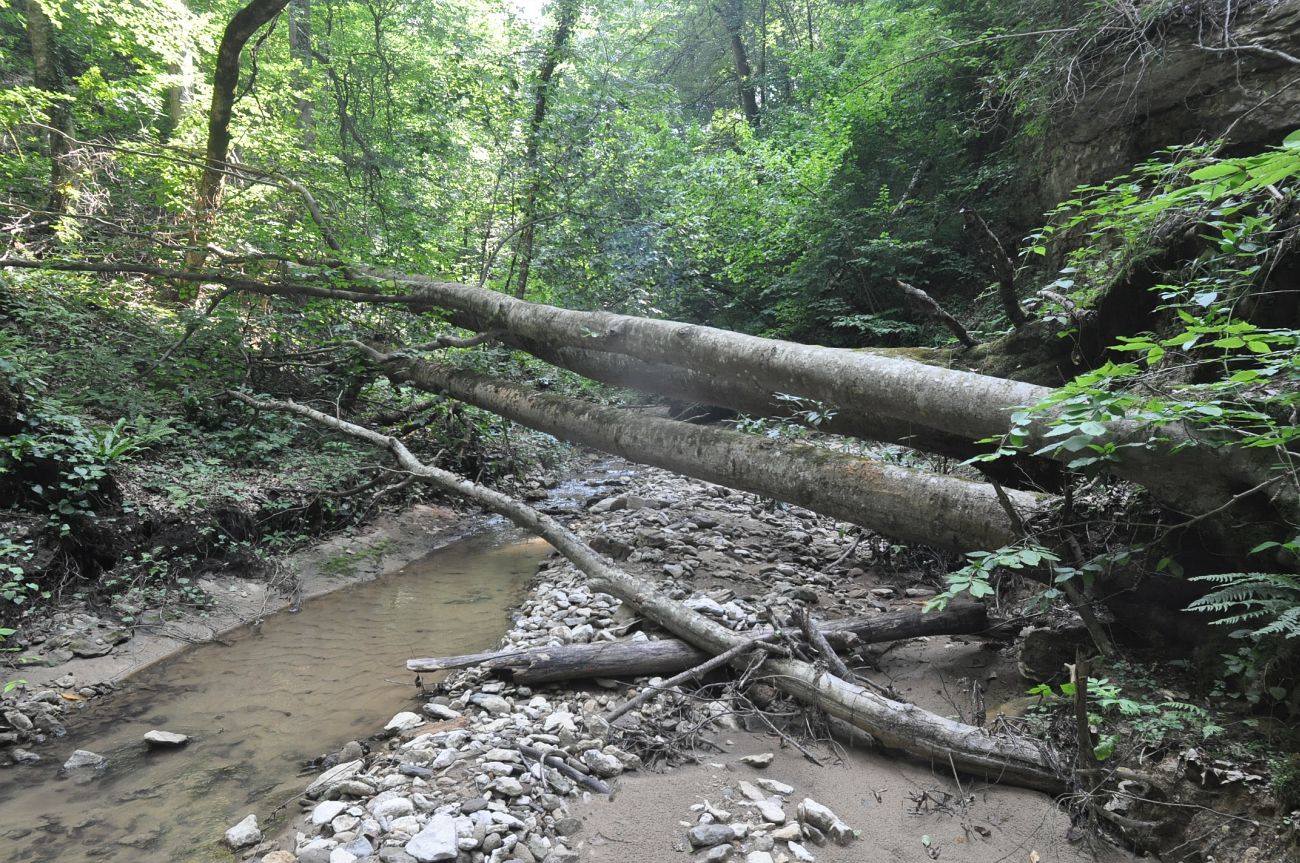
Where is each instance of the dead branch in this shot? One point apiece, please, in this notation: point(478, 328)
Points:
point(927, 304)
point(1003, 267)
point(693, 673)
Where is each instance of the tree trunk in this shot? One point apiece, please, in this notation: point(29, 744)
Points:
point(1190, 477)
point(300, 51)
point(904, 727)
point(732, 13)
point(179, 93)
point(567, 17)
point(1231, 490)
point(905, 504)
point(47, 77)
point(670, 655)
point(225, 80)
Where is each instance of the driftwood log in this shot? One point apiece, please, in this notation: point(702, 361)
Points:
point(670, 655)
point(904, 727)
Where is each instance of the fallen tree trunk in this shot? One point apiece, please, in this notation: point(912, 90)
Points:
point(906, 504)
point(670, 655)
point(1186, 474)
point(904, 727)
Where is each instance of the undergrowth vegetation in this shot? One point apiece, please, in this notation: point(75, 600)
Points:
point(122, 479)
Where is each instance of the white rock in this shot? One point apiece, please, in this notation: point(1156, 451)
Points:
point(165, 739)
point(338, 773)
point(774, 787)
point(436, 842)
point(704, 605)
point(602, 764)
point(410, 825)
point(440, 711)
point(327, 811)
point(338, 855)
point(800, 853)
point(491, 703)
point(509, 786)
point(750, 791)
point(398, 807)
point(84, 758)
point(344, 823)
point(499, 754)
point(758, 857)
point(445, 758)
point(560, 720)
point(819, 816)
point(760, 761)
point(404, 721)
point(771, 811)
point(243, 834)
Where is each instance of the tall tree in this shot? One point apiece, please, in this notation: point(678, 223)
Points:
point(48, 77)
point(732, 13)
point(241, 28)
point(567, 16)
point(300, 50)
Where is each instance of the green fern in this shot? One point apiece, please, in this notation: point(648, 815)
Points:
point(1254, 598)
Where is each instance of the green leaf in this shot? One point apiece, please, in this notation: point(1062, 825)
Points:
point(1106, 748)
point(1095, 429)
point(1215, 171)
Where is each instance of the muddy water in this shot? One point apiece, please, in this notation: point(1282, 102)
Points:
point(294, 688)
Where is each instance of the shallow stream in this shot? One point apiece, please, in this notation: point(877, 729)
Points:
point(273, 696)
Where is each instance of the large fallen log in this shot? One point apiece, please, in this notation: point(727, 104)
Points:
point(1190, 475)
point(535, 665)
point(904, 727)
point(905, 504)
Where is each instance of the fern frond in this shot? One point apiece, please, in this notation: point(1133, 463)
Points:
point(1254, 597)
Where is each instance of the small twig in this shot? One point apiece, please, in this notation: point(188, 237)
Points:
point(1087, 757)
point(1003, 267)
point(571, 772)
point(833, 661)
point(847, 554)
point(788, 739)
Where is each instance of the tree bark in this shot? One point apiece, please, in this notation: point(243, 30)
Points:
point(225, 80)
point(670, 655)
point(904, 727)
point(903, 503)
point(567, 17)
point(732, 13)
point(46, 76)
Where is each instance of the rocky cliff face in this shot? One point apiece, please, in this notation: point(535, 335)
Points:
point(1171, 90)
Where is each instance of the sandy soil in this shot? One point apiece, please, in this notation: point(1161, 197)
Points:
point(876, 794)
point(893, 801)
